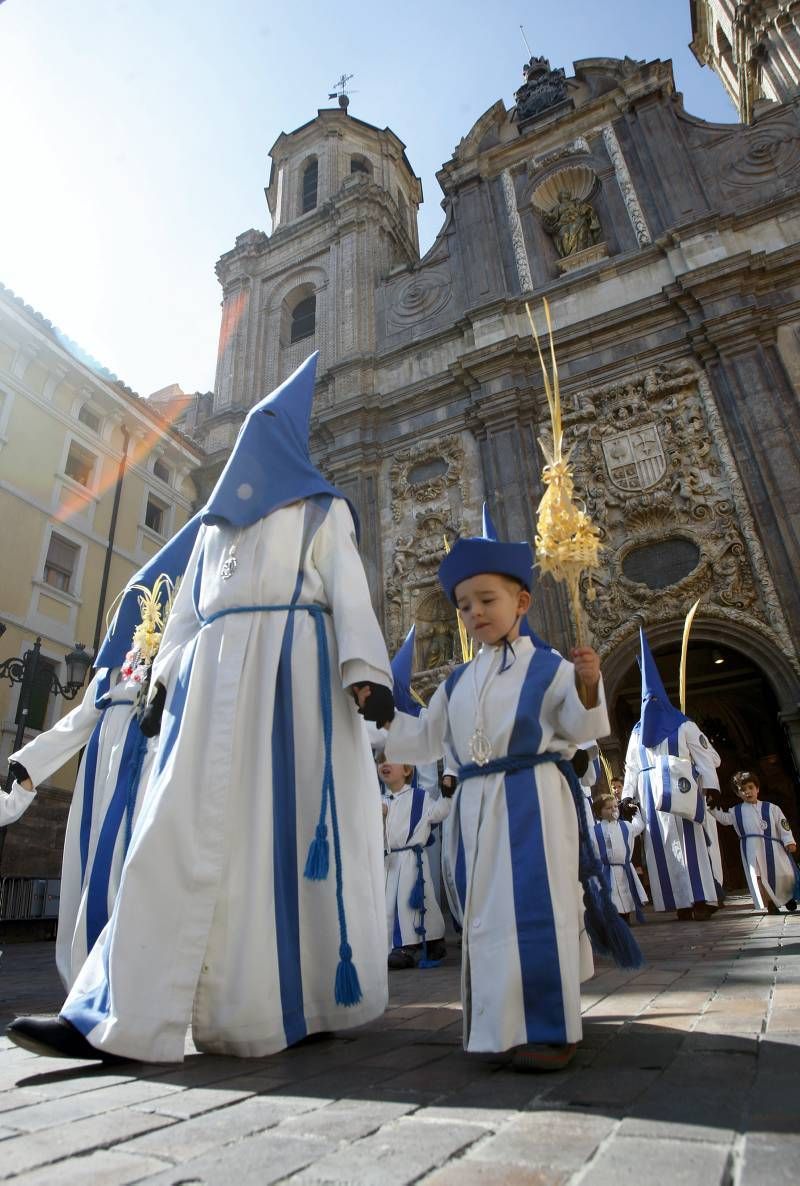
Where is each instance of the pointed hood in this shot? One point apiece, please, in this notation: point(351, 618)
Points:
point(490, 532)
point(659, 716)
point(402, 671)
point(270, 465)
point(171, 560)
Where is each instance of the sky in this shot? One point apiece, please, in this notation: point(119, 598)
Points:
point(136, 135)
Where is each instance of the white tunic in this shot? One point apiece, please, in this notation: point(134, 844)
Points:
point(411, 814)
point(105, 803)
point(513, 843)
point(676, 850)
point(14, 803)
point(764, 860)
point(215, 921)
point(615, 848)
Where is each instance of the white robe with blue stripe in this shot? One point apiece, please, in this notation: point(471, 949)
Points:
point(513, 844)
point(764, 860)
point(106, 800)
point(411, 814)
point(215, 922)
point(614, 846)
point(677, 851)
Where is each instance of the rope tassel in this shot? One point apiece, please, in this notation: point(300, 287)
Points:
point(347, 990)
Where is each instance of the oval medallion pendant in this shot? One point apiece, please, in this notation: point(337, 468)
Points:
point(480, 748)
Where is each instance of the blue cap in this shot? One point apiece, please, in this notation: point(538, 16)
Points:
point(170, 560)
point(474, 555)
point(490, 532)
point(402, 670)
point(659, 716)
point(270, 465)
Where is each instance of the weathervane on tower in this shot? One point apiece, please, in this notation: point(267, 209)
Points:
point(341, 92)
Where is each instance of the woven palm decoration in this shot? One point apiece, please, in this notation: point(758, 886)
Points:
point(567, 542)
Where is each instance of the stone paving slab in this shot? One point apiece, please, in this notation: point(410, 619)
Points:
point(687, 1073)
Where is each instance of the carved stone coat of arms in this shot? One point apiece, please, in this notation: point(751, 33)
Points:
point(635, 458)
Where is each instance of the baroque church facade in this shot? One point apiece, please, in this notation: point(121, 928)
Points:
point(669, 251)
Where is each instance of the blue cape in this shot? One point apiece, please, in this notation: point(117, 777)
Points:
point(270, 465)
point(402, 671)
point(659, 716)
point(473, 555)
point(171, 560)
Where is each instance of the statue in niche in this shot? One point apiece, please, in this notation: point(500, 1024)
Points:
point(572, 223)
point(438, 645)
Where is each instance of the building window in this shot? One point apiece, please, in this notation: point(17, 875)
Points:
point(161, 471)
point(310, 175)
point(80, 464)
point(89, 418)
point(304, 319)
point(39, 695)
point(59, 567)
point(155, 515)
point(358, 164)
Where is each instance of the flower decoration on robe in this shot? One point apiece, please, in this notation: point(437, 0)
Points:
point(154, 605)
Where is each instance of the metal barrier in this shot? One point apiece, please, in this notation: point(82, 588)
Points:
point(23, 898)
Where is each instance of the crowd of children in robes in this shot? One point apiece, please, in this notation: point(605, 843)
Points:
point(230, 864)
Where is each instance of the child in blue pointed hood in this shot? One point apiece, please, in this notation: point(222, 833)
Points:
point(252, 898)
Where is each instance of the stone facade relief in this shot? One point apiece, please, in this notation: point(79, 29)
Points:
point(659, 482)
point(431, 489)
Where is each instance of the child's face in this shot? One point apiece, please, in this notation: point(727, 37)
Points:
point(609, 811)
point(394, 774)
point(616, 787)
point(490, 606)
point(749, 792)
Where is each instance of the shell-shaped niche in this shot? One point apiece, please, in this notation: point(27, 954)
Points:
point(577, 180)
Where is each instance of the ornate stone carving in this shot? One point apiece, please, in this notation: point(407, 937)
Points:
point(626, 187)
point(543, 88)
point(562, 203)
point(517, 236)
point(418, 297)
point(770, 152)
point(577, 147)
point(653, 462)
point(409, 463)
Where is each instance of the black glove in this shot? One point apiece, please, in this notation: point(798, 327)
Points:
point(628, 809)
point(379, 706)
point(18, 770)
point(447, 785)
point(713, 797)
point(580, 762)
point(150, 721)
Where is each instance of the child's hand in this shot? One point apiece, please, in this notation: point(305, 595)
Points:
point(587, 671)
point(791, 848)
point(375, 703)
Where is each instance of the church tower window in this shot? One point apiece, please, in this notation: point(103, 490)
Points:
point(359, 164)
point(304, 319)
point(310, 177)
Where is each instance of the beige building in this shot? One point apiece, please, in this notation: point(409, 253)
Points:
point(93, 481)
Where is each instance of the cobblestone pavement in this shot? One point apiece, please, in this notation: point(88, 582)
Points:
point(689, 1073)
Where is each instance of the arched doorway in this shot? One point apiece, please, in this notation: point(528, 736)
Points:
point(734, 699)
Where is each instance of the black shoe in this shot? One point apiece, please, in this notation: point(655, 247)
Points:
point(55, 1037)
point(685, 914)
point(437, 949)
point(399, 960)
point(703, 912)
point(791, 905)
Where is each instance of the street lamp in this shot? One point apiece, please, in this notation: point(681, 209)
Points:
point(28, 672)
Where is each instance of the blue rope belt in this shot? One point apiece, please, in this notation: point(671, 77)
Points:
point(609, 935)
point(347, 989)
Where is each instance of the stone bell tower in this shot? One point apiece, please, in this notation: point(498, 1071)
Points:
point(343, 202)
